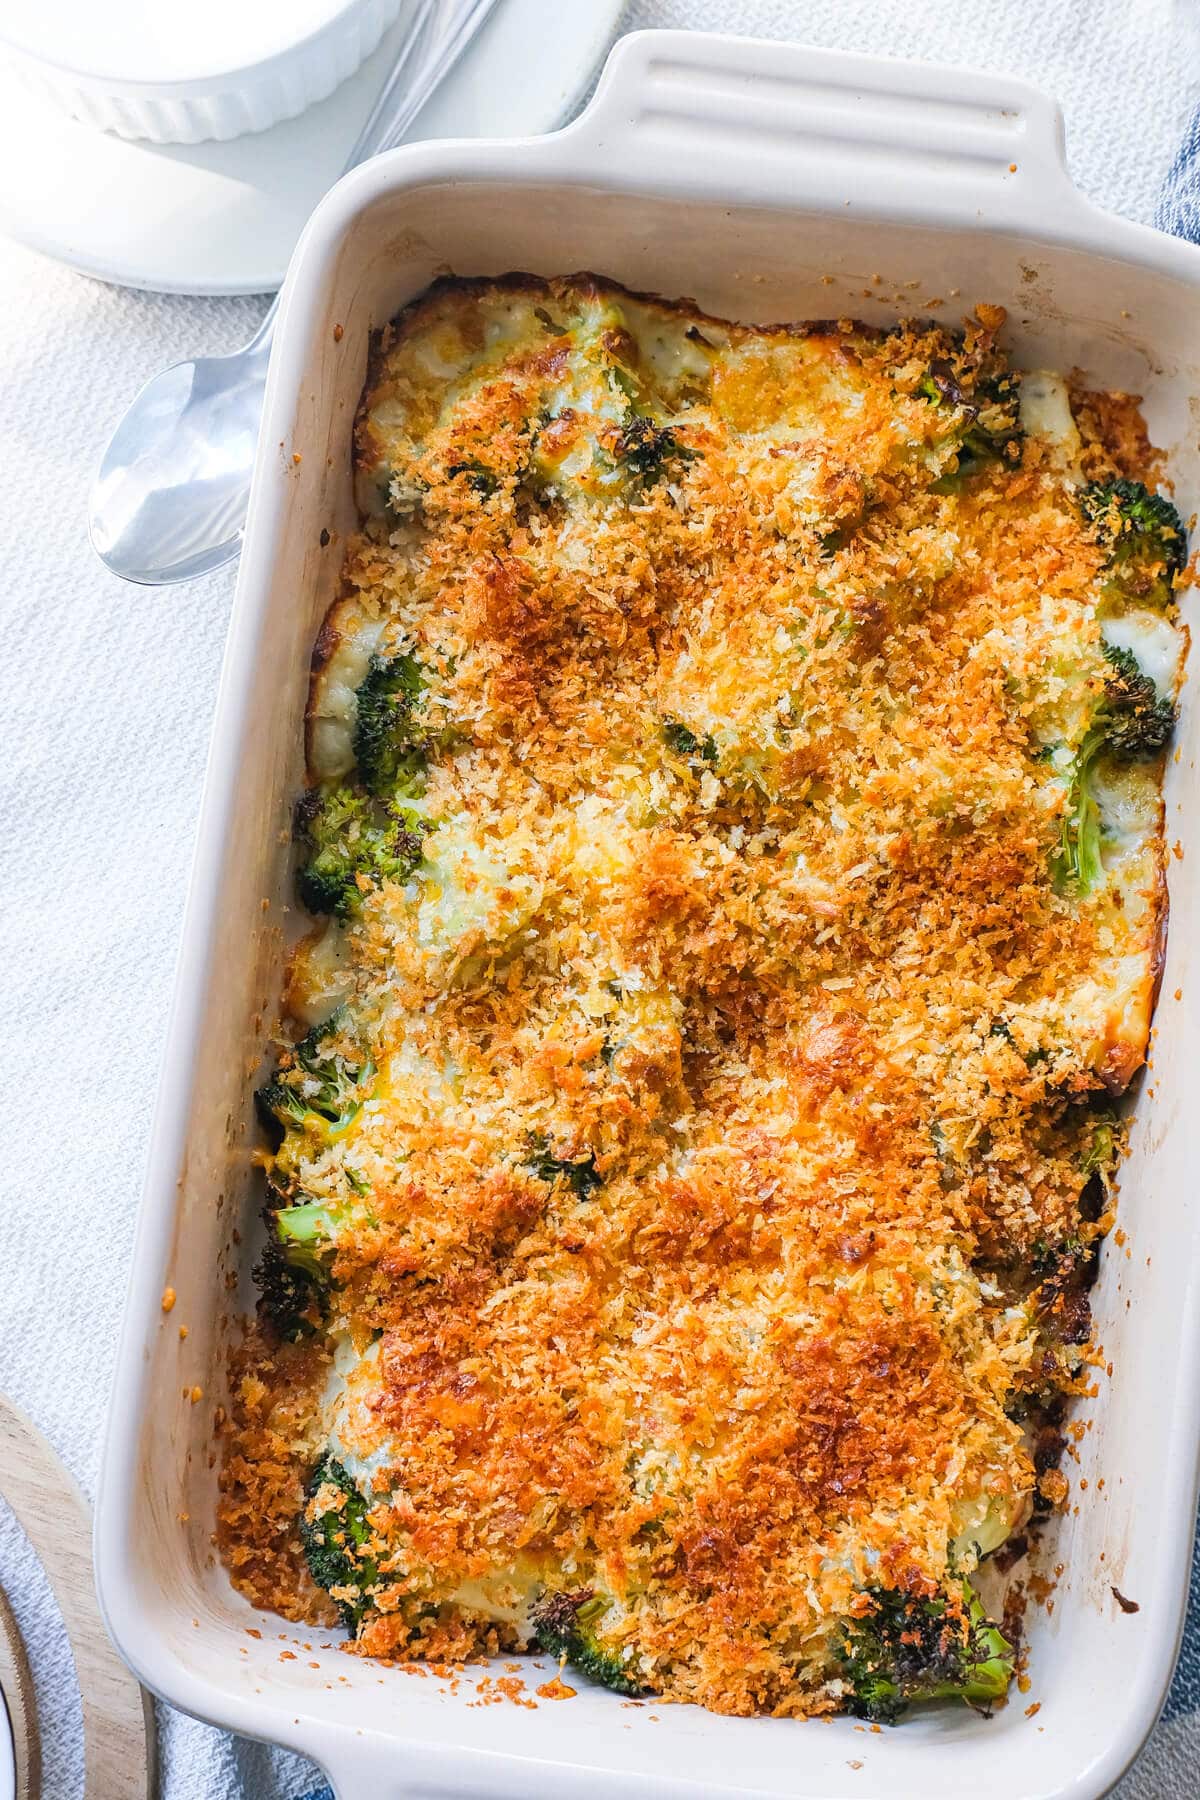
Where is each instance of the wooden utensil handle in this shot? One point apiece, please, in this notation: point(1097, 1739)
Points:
point(16, 1681)
point(118, 1725)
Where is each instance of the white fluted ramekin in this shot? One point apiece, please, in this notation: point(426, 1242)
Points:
point(285, 74)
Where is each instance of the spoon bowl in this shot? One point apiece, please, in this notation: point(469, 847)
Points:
point(169, 499)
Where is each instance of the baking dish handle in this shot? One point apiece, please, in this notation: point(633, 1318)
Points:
point(791, 123)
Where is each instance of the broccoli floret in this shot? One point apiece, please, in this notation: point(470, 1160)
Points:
point(315, 1096)
point(910, 1650)
point(1143, 536)
point(580, 1174)
point(1048, 1261)
point(646, 450)
point(307, 1235)
point(480, 479)
point(289, 1298)
point(1100, 1157)
point(337, 1539)
point(315, 1086)
point(988, 428)
point(683, 741)
point(294, 1273)
point(390, 754)
point(1136, 722)
point(1060, 1308)
point(368, 831)
point(349, 837)
point(571, 1625)
point(1129, 723)
point(995, 430)
point(1062, 1268)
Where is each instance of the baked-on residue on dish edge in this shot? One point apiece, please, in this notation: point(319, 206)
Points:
point(734, 834)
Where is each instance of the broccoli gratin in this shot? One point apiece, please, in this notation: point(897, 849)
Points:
point(733, 841)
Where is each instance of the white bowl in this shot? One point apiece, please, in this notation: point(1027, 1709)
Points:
point(177, 74)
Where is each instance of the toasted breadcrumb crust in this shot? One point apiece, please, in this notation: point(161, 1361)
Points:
point(1115, 439)
point(736, 891)
point(262, 1480)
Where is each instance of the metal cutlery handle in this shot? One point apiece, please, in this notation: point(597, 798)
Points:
point(393, 113)
point(400, 99)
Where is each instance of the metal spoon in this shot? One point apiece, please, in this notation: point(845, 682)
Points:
point(169, 499)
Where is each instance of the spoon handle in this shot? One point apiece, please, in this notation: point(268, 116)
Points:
point(394, 111)
point(381, 120)
point(390, 117)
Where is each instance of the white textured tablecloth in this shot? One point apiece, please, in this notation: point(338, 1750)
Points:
point(109, 697)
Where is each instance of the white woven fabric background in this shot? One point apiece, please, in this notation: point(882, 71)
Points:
point(107, 710)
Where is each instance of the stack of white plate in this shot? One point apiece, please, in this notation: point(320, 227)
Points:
point(211, 213)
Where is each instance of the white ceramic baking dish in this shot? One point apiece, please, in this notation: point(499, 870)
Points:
point(770, 182)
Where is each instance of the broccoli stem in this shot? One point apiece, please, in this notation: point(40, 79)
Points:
point(570, 1625)
point(1076, 860)
point(1100, 1157)
point(1130, 723)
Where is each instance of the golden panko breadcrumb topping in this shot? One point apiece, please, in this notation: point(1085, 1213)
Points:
point(734, 831)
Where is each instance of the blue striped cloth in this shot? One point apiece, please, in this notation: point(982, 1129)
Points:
point(1178, 208)
point(1184, 1697)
